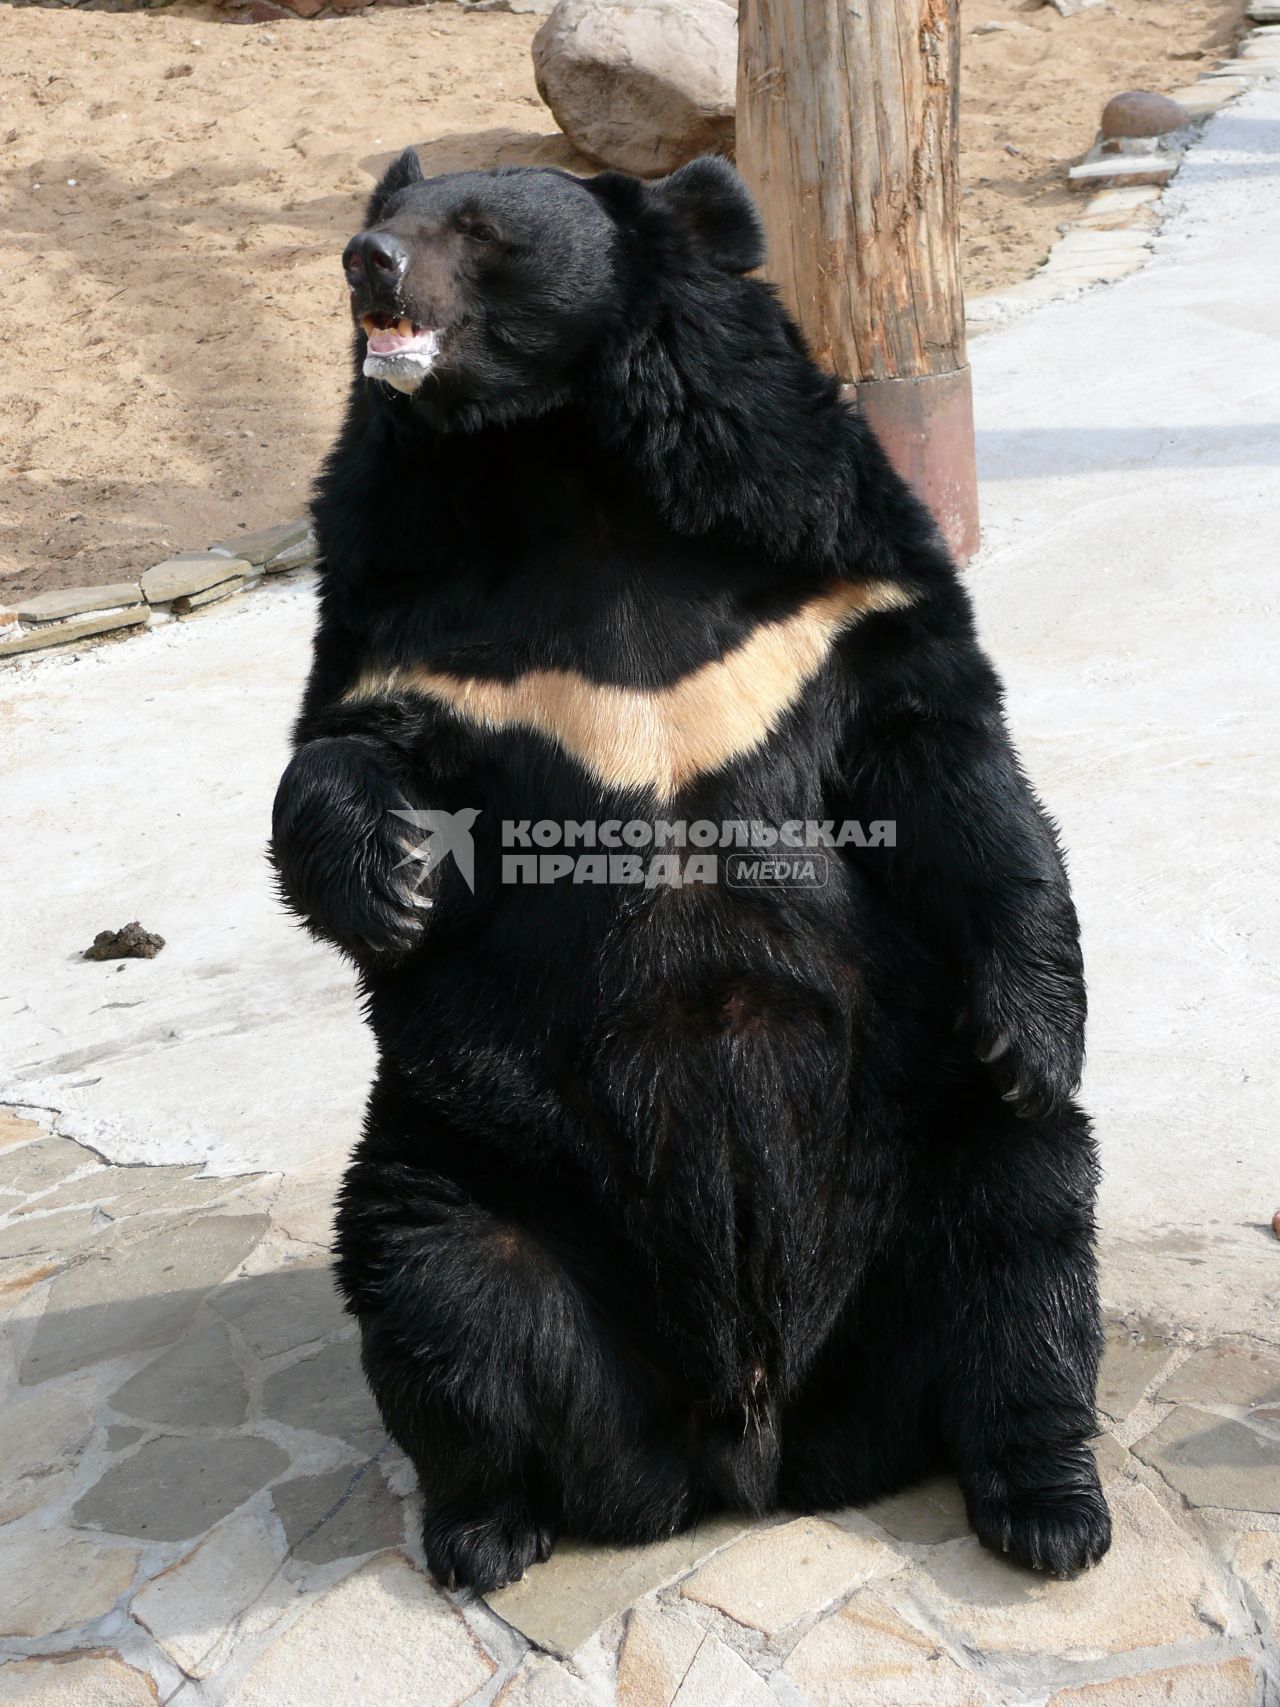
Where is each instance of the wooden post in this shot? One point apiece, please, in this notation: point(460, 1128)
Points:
point(848, 136)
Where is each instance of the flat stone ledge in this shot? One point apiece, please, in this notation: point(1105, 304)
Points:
point(77, 601)
point(190, 573)
point(52, 634)
point(1228, 1373)
point(264, 543)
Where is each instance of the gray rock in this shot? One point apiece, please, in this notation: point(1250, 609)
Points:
point(1069, 8)
point(327, 1393)
point(1229, 1373)
point(643, 85)
point(132, 1190)
point(211, 596)
point(42, 1434)
point(36, 1167)
point(195, 1382)
point(559, 1604)
point(120, 1435)
point(340, 1515)
point(265, 543)
point(931, 1513)
point(45, 1235)
point(1130, 1363)
point(174, 1488)
point(77, 601)
point(51, 634)
point(136, 1293)
point(190, 572)
point(54, 1581)
point(1139, 112)
point(1214, 1461)
point(300, 555)
point(280, 1311)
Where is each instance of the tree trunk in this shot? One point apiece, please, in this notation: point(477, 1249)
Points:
point(847, 133)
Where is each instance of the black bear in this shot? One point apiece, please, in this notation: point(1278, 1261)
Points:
point(699, 1172)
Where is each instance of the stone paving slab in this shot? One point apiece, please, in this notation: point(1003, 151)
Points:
point(1214, 1461)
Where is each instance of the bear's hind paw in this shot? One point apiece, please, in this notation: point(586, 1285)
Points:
point(469, 1546)
point(1061, 1528)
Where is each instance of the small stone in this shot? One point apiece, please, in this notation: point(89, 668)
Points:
point(932, 1512)
point(540, 1682)
point(1138, 112)
point(642, 87)
point(775, 1576)
point(97, 1678)
point(1264, 11)
point(211, 596)
point(49, 634)
point(1200, 100)
point(41, 1436)
point(1069, 8)
point(17, 1129)
point(257, 547)
point(1275, 1223)
point(327, 1393)
point(1214, 1461)
point(383, 1632)
point(77, 601)
point(136, 1293)
point(656, 1653)
point(36, 1167)
point(557, 1605)
point(130, 942)
point(1227, 1373)
point(1130, 1363)
point(190, 572)
point(174, 1488)
point(282, 1310)
point(1231, 1683)
point(57, 1582)
point(302, 554)
point(338, 1515)
point(867, 1653)
point(190, 1608)
point(196, 1383)
point(1155, 1586)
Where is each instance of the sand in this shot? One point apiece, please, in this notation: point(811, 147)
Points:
point(173, 331)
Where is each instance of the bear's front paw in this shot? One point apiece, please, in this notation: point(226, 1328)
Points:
point(1061, 1525)
point(483, 1546)
point(342, 850)
point(1029, 1033)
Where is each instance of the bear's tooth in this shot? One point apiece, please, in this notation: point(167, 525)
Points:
point(404, 328)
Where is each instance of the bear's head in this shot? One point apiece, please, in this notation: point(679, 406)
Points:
point(481, 293)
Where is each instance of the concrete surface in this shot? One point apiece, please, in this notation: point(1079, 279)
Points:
point(197, 1504)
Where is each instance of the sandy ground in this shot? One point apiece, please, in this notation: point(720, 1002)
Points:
point(178, 187)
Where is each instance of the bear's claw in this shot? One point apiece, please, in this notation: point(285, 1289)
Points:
point(483, 1550)
point(1060, 1527)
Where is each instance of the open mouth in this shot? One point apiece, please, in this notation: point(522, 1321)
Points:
point(392, 335)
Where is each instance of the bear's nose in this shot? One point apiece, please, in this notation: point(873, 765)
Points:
point(375, 257)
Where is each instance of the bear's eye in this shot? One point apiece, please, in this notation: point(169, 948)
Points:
point(482, 233)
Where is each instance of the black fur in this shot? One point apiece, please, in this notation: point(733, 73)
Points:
point(677, 1199)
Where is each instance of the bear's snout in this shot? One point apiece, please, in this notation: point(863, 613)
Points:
point(375, 258)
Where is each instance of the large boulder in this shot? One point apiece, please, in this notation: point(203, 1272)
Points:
point(642, 85)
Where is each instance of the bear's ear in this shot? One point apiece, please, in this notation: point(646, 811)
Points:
point(712, 207)
point(402, 172)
